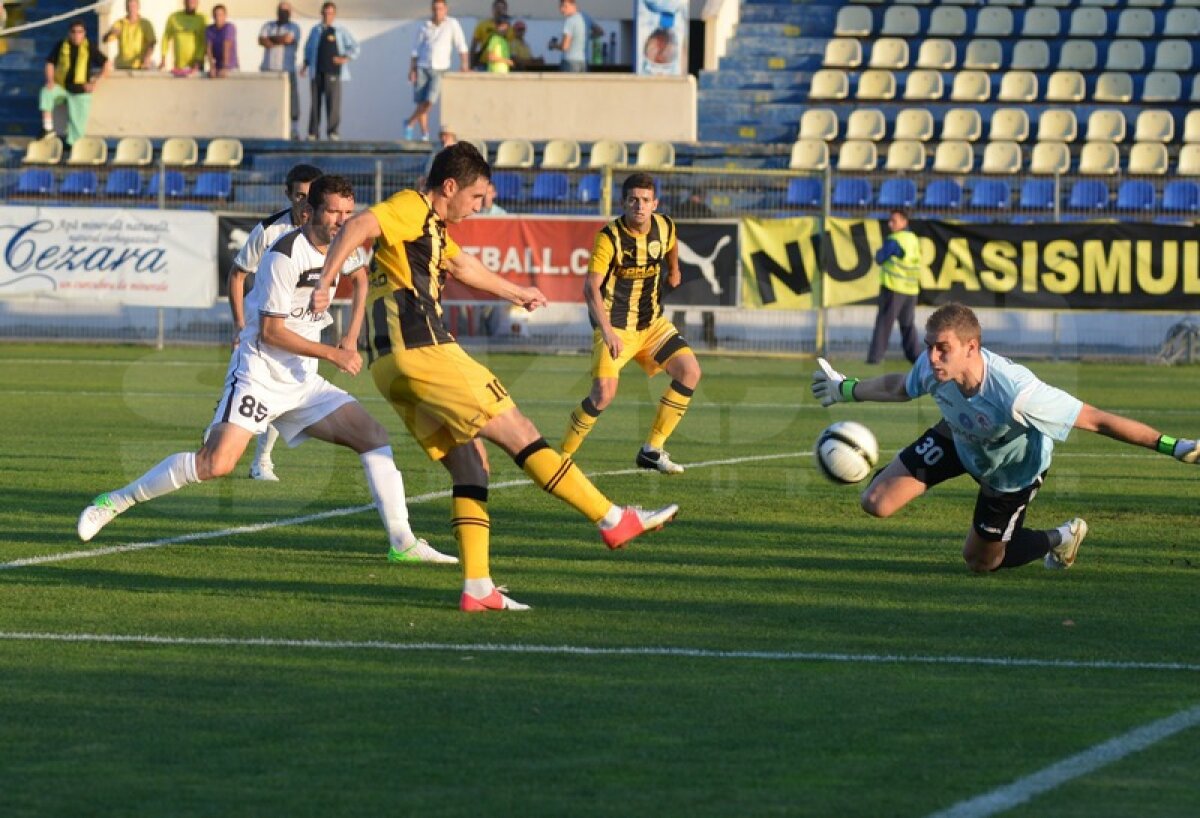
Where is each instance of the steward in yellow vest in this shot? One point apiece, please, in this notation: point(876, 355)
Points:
point(899, 263)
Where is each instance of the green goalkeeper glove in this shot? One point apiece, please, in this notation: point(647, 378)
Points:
point(830, 386)
point(1185, 451)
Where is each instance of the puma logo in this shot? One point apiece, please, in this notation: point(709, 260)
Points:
point(707, 265)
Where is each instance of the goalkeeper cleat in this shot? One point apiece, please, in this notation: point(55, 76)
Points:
point(656, 460)
point(495, 601)
point(1062, 556)
point(635, 522)
point(263, 470)
point(420, 551)
point(99, 514)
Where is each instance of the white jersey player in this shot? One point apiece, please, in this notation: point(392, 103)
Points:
point(273, 379)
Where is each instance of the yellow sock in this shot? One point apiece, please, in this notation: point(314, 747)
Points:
point(559, 475)
point(671, 406)
point(472, 529)
point(582, 421)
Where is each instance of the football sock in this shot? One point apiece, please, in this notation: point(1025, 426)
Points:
point(387, 490)
point(559, 475)
point(1029, 544)
point(478, 588)
point(472, 529)
point(671, 406)
point(172, 474)
point(265, 443)
point(582, 421)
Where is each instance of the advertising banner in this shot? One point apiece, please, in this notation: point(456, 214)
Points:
point(779, 263)
point(151, 258)
point(709, 265)
point(660, 37)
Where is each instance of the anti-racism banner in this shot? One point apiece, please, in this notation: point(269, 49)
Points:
point(154, 258)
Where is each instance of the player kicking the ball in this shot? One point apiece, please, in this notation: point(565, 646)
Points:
point(999, 424)
point(272, 379)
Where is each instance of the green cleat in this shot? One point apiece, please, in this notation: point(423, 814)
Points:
point(420, 551)
point(99, 514)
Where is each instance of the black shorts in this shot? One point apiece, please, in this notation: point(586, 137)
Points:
point(932, 459)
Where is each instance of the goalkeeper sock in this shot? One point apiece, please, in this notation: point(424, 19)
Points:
point(671, 406)
point(582, 420)
point(1029, 544)
point(170, 475)
point(558, 475)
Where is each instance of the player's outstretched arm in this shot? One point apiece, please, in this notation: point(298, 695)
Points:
point(830, 386)
point(1136, 433)
point(470, 271)
point(355, 233)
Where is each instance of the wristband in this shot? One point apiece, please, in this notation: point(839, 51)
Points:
point(1166, 445)
point(847, 389)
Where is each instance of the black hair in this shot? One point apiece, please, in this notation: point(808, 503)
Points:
point(901, 211)
point(331, 185)
point(638, 181)
point(302, 173)
point(461, 162)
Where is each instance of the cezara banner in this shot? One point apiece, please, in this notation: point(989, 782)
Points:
point(149, 258)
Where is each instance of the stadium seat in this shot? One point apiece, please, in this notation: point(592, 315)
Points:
point(1057, 125)
point(1195, 97)
point(819, 123)
point(853, 21)
point(180, 151)
point(35, 182)
point(223, 153)
point(1088, 22)
point(914, 123)
point(954, 157)
point(947, 21)
point(550, 186)
point(123, 182)
point(1037, 194)
point(962, 123)
point(560, 154)
point(843, 52)
point(1154, 126)
point(1188, 162)
point(89, 150)
point(809, 154)
point(1049, 158)
point(134, 150)
point(994, 21)
point(591, 187)
point(983, 55)
point(1113, 86)
point(851, 192)
point(905, 156)
point(1173, 55)
point(829, 83)
point(900, 21)
point(1099, 159)
point(804, 192)
point(45, 151)
point(1106, 126)
point(213, 184)
point(1057, 3)
point(1181, 196)
point(1018, 86)
point(1030, 55)
point(1040, 22)
point(889, 52)
point(924, 85)
point(1153, 4)
point(897, 192)
point(655, 154)
point(1136, 23)
point(173, 184)
point(79, 183)
point(990, 194)
point(1088, 194)
point(508, 186)
point(480, 145)
point(1148, 159)
point(1077, 55)
point(943, 193)
point(1002, 158)
point(1191, 127)
point(1182, 22)
point(970, 86)
point(876, 84)
point(937, 54)
point(514, 153)
point(857, 156)
point(866, 123)
point(1135, 195)
point(1066, 86)
point(1162, 86)
point(1125, 55)
point(1009, 125)
point(606, 153)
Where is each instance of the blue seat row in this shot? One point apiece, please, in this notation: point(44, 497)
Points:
point(124, 183)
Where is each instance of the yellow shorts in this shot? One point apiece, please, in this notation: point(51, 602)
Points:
point(442, 394)
point(651, 347)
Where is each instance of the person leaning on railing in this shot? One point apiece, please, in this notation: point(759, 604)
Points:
point(73, 67)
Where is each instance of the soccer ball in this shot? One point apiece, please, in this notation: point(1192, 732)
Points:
point(846, 452)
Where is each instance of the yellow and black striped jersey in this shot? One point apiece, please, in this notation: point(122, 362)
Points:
point(407, 274)
point(630, 264)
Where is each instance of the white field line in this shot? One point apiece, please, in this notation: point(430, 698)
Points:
point(580, 650)
point(1090, 760)
point(336, 512)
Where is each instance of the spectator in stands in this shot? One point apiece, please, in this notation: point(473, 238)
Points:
point(134, 37)
point(574, 38)
point(484, 30)
point(437, 41)
point(447, 137)
point(899, 285)
point(221, 42)
point(73, 67)
point(489, 206)
point(185, 33)
point(279, 40)
point(694, 204)
point(496, 55)
point(327, 52)
point(522, 56)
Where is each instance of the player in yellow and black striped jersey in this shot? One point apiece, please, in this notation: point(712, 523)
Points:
point(447, 399)
point(624, 297)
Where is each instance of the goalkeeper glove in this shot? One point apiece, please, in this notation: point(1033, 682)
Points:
point(830, 386)
point(1185, 451)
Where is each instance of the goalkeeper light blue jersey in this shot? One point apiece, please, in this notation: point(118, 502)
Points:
point(1004, 434)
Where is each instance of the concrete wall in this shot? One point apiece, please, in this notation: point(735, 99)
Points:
point(247, 106)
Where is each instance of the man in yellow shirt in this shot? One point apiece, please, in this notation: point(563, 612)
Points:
point(185, 32)
point(135, 38)
point(484, 30)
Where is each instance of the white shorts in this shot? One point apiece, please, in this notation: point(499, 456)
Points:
point(253, 400)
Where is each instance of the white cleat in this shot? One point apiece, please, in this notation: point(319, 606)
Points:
point(657, 460)
point(420, 551)
point(1062, 556)
point(99, 514)
point(264, 470)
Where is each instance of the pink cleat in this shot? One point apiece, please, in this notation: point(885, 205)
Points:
point(635, 522)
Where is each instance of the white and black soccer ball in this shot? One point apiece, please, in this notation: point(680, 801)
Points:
point(846, 452)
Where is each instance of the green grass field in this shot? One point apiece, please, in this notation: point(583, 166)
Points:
point(773, 652)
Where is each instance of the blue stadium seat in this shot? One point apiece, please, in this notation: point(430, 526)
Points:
point(174, 184)
point(35, 182)
point(1135, 195)
point(590, 188)
point(213, 185)
point(1089, 194)
point(944, 193)
point(852, 193)
point(804, 192)
point(990, 194)
point(1037, 194)
point(80, 183)
point(549, 186)
point(123, 182)
point(508, 186)
point(1181, 196)
point(897, 193)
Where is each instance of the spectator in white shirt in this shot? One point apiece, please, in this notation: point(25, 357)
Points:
point(436, 43)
